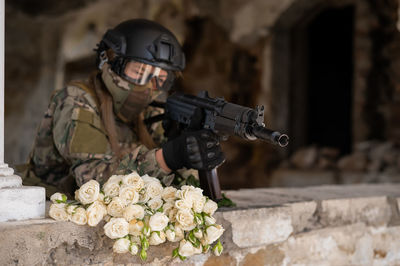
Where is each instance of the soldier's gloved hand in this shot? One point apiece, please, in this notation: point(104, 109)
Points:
point(197, 149)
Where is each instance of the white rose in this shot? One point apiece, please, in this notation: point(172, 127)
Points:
point(153, 189)
point(170, 235)
point(198, 234)
point(158, 221)
point(107, 200)
point(79, 216)
point(121, 245)
point(185, 195)
point(135, 239)
point(107, 217)
point(116, 228)
point(217, 249)
point(135, 227)
point(133, 179)
point(168, 193)
point(71, 209)
point(186, 248)
point(185, 219)
point(156, 238)
point(213, 233)
point(210, 207)
point(198, 250)
point(155, 203)
point(58, 212)
point(58, 198)
point(112, 186)
point(76, 195)
point(143, 196)
point(183, 205)
point(172, 214)
point(89, 192)
point(116, 207)
point(195, 193)
point(133, 211)
point(168, 206)
point(179, 233)
point(185, 173)
point(101, 197)
point(129, 194)
point(191, 193)
point(95, 213)
point(198, 203)
point(147, 179)
point(133, 249)
point(209, 220)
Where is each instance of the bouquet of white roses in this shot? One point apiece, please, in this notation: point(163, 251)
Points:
point(140, 212)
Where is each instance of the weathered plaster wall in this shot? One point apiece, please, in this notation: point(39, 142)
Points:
point(231, 49)
point(328, 225)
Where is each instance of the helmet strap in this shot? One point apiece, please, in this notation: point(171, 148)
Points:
point(103, 59)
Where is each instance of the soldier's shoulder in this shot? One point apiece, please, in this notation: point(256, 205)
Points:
point(78, 93)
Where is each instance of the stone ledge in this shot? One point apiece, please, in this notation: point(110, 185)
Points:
point(334, 224)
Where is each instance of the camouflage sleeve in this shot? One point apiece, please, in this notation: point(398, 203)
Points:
point(81, 140)
point(144, 161)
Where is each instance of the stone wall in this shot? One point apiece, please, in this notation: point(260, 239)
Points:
point(327, 225)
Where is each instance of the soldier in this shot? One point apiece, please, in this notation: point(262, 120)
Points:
point(94, 129)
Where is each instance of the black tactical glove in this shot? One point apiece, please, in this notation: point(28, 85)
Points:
point(197, 149)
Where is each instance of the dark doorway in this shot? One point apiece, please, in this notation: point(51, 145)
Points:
point(321, 80)
point(330, 38)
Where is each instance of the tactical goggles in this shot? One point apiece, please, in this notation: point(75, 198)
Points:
point(140, 74)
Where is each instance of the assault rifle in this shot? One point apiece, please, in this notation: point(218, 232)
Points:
point(189, 112)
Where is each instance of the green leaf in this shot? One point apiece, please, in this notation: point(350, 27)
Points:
point(144, 242)
point(146, 229)
point(197, 243)
point(130, 247)
point(199, 218)
point(206, 248)
point(192, 238)
point(218, 248)
point(226, 202)
point(64, 197)
point(192, 181)
point(182, 257)
point(143, 254)
point(175, 252)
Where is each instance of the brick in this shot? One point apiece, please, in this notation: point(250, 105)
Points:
point(374, 211)
point(264, 226)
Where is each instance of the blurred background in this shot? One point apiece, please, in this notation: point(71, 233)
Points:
point(327, 72)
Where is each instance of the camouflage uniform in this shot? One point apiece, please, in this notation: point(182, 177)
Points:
point(72, 144)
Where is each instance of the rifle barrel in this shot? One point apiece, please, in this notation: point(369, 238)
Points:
point(274, 137)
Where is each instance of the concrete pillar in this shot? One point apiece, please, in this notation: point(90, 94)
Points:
point(17, 202)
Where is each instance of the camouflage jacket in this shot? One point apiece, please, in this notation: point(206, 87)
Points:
point(71, 142)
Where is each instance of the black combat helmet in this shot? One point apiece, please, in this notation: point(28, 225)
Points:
point(144, 41)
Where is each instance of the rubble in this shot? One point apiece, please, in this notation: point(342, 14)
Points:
point(370, 162)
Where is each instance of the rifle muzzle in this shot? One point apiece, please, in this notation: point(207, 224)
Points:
point(274, 137)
